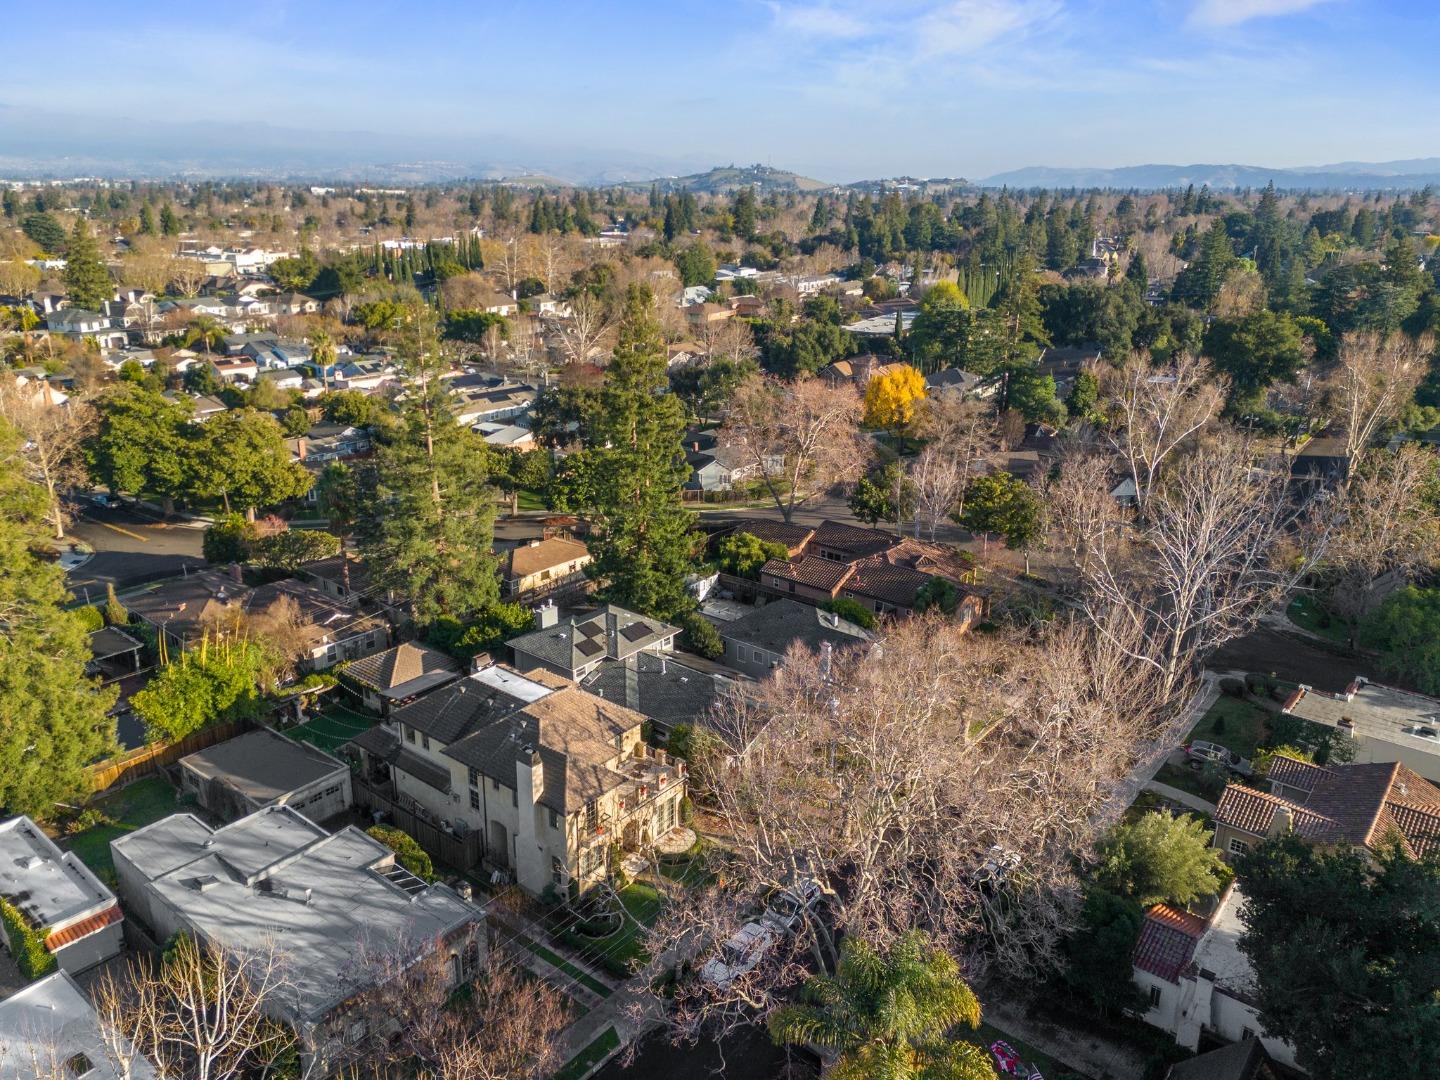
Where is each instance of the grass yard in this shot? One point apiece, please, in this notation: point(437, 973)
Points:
point(333, 728)
point(606, 1044)
point(616, 952)
point(132, 807)
point(525, 499)
point(1235, 723)
point(985, 1034)
point(1307, 613)
point(561, 964)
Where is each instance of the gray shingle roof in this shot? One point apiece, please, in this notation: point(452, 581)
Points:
point(610, 632)
point(657, 686)
point(782, 623)
point(404, 671)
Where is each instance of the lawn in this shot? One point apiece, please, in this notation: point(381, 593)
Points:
point(1236, 724)
point(525, 499)
point(333, 728)
point(1309, 614)
point(561, 964)
point(578, 1066)
point(985, 1034)
point(616, 952)
point(135, 805)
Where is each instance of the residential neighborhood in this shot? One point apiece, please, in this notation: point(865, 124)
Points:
point(924, 615)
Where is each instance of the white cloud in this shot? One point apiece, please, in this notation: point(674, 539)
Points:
point(1234, 12)
point(966, 26)
point(820, 21)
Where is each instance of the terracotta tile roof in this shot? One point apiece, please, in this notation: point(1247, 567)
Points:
point(84, 928)
point(1419, 828)
point(811, 571)
point(1167, 941)
point(879, 578)
point(1295, 774)
point(1254, 812)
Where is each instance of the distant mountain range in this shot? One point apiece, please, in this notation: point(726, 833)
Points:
point(723, 179)
point(1345, 175)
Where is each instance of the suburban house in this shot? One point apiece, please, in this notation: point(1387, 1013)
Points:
point(337, 907)
point(1197, 983)
point(548, 774)
point(706, 314)
point(57, 896)
point(49, 1029)
point(1360, 804)
point(659, 686)
point(78, 324)
point(715, 466)
point(184, 610)
point(262, 768)
point(232, 369)
point(879, 570)
point(959, 383)
point(576, 646)
point(388, 680)
point(541, 567)
point(857, 371)
point(756, 643)
point(1321, 462)
point(1384, 723)
point(504, 401)
point(1245, 1060)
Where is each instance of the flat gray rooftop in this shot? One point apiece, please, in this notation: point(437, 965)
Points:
point(262, 765)
point(1375, 711)
point(50, 887)
point(47, 1023)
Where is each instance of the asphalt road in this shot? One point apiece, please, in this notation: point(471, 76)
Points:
point(130, 549)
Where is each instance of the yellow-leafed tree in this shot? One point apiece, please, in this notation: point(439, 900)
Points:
point(891, 396)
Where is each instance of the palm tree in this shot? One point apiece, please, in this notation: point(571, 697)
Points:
point(887, 1014)
point(206, 330)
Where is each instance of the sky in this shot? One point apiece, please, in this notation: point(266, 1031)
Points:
point(837, 89)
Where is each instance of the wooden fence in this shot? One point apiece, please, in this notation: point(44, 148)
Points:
point(149, 760)
point(459, 852)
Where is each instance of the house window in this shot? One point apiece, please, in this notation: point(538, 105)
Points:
point(333, 790)
point(474, 799)
point(592, 813)
point(1238, 846)
point(1154, 997)
point(79, 1065)
point(495, 784)
point(425, 742)
point(1247, 1033)
point(557, 872)
point(514, 796)
point(474, 777)
point(554, 820)
point(409, 734)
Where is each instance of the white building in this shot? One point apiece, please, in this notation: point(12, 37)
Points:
point(1196, 979)
point(49, 1029)
point(337, 908)
point(1385, 724)
point(59, 896)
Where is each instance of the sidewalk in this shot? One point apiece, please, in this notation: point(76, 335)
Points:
point(1184, 798)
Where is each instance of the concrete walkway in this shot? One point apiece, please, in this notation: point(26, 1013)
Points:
point(1095, 1056)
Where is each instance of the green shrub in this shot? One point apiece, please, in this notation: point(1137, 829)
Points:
point(743, 554)
point(700, 636)
point(408, 852)
point(90, 618)
point(27, 945)
point(940, 593)
point(228, 539)
point(851, 611)
point(116, 613)
point(1233, 687)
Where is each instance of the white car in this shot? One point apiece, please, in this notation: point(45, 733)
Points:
point(1203, 752)
point(741, 954)
point(787, 910)
point(998, 863)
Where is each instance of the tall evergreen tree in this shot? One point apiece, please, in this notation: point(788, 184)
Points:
point(55, 719)
point(641, 537)
point(428, 520)
point(87, 282)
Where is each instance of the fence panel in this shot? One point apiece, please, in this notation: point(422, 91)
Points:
point(149, 760)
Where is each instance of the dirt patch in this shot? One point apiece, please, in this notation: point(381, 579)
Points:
point(1273, 652)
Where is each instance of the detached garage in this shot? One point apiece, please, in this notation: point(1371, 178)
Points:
point(262, 768)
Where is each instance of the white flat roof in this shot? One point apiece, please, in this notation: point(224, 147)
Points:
point(1375, 711)
point(51, 887)
point(512, 683)
point(45, 1024)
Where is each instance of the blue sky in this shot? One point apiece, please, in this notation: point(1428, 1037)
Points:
point(840, 89)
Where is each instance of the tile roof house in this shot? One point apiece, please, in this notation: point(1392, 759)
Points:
point(58, 896)
point(324, 901)
point(1195, 979)
point(664, 689)
point(547, 773)
point(1385, 724)
point(1360, 804)
point(576, 646)
point(50, 1029)
point(387, 680)
point(881, 571)
point(263, 768)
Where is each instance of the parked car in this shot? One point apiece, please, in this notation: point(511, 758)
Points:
point(1203, 752)
point(787, 909)
point(741, 954)
point(102, 499)
point(996, 868)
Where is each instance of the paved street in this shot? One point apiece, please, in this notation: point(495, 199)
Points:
point(130, 548)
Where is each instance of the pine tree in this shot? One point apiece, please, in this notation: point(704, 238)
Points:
point(87, 282)
point(426, 523)
point(641, 541)
point(169, 222)
point(55, 720)
point(147, 220)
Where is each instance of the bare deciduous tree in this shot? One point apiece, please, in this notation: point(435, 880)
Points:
point(1372, 381)
point(1387, 528)
point(803, 437)
point(585, 332)
point(1217, 545)
point(1157, 411)
point(187, 275)
point(964, 432)
point(53, 433)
